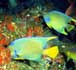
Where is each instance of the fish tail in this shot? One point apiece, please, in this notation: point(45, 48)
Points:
point(51, 52)
point(51, 38)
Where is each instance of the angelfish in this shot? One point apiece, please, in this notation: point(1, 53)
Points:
point(59, 21)
point(30, 48)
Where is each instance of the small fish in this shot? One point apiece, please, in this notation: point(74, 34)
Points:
point(30, 48)
point(59, 21)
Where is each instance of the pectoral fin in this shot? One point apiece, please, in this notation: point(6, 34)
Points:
point(51, 38)
point(69, 28)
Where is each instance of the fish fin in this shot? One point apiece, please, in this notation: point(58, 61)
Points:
point(51, 52)
point(69, 28)
point(64, 32)
point(49, 25)
point(74, 20)
point(19, 58)
point(51, 38)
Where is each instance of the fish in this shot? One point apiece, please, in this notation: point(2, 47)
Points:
point(59, 21)
point(30, 48)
